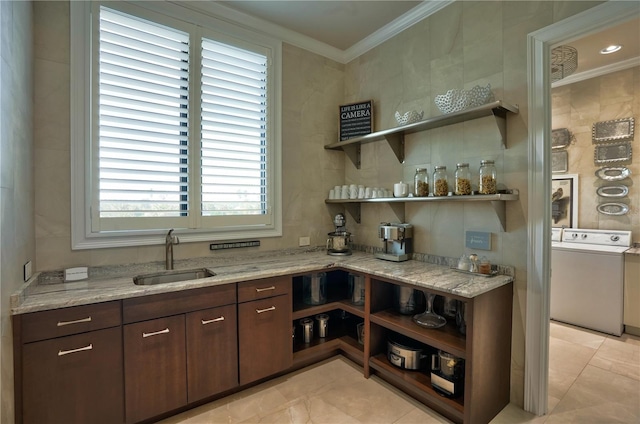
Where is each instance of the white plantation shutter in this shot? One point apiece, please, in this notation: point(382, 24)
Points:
point(234, 165)
point(175, 124)
point(143, 84)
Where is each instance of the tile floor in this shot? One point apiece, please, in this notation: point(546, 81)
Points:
point(593, 378)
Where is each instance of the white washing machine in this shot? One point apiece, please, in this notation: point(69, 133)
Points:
point(587, 278)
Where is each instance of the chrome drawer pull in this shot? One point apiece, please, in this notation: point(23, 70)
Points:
point(155, 333)
point(78, 321)
point(258, 290)
point(273, 308)
point(209, 321)
point(80, 349)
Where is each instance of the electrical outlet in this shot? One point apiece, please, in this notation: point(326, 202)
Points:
point(27, 271)
point(304, 241)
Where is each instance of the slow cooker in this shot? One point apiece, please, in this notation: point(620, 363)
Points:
point(406, 353)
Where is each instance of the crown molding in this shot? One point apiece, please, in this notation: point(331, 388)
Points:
point(264, 27)
point(592, 73)
point(395, 27)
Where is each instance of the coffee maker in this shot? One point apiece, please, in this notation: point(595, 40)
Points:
point(447, 374)
point(398, 241)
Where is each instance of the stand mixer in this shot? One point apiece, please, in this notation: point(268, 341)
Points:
point(339, 239)
point(398, 241)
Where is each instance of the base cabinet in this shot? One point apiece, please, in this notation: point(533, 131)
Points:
point(74, 379)
point(154, 365)
point(264, 328)
point(212, 352)
point(68, 365)
point(141, 358)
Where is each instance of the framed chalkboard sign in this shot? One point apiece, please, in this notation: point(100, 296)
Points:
point(356, 119)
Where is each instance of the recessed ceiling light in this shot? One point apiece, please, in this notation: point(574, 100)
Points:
point(611, 49)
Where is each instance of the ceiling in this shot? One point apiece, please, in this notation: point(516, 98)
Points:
point(342, 30)
point(340, 24)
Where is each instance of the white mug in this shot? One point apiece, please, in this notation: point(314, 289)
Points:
point(360, 192)
point(400, 189)
point(353, 191)
point(367, 193)
point(332, 194)
point(344, 192)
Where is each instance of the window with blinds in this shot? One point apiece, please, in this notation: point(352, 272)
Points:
point(182, 137)
point(233, 120)
point(143, 124)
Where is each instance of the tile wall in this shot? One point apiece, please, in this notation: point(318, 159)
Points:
point(577, 107)
point(16, 175)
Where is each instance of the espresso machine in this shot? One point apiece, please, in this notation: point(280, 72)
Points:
point(398, 241)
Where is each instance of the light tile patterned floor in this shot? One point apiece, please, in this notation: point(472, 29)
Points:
point(593, 378)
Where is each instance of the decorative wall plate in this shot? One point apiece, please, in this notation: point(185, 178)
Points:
point(560, 138)
point(612, 153)
point(613, 191)
point(614, 130)
point(559, 161)
point(613, 173)
point(614, 209)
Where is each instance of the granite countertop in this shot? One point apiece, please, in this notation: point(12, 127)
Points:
point(635, 250)
point(44, 292)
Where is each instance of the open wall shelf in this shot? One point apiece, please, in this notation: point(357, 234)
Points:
point(397, 203)
point(395, 136)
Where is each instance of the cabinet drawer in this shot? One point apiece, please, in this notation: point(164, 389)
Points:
point(260, 289)
point(66, 321)
point(166, 304)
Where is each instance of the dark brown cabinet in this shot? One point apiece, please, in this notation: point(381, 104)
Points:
point(264, 328)
point(178, 348)
point(485, 349)
point(69, 369)
point(212, 352)
point(137, 359)
point(154, 365)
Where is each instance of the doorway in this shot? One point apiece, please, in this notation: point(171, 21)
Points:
point(539, 185)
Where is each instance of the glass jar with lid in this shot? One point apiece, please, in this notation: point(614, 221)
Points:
point(487, 178)
point(421, 183)
point(440, 181)
point(463, 179)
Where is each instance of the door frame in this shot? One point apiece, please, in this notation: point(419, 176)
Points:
point(539, 44)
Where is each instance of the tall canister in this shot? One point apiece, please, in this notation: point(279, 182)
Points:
point(356, 289)
point(314, 288)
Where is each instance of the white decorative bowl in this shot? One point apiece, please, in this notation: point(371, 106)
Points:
point(457, 100)
point(409, 117)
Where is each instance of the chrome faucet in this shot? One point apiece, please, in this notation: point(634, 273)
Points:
point(169, 241)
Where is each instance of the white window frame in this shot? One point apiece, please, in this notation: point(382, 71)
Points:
point(82, 235)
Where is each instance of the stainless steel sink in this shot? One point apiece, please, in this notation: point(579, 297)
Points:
point(174, 276)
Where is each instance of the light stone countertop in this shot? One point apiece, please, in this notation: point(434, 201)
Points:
point(635, 250)
point(42, 292)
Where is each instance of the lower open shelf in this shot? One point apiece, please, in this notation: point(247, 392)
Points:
point(447, 338)
point(418, 381)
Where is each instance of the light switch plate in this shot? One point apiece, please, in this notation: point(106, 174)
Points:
point(478, 240)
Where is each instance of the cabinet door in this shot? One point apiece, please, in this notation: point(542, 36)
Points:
point(74, 379)
point(264, 328)
point(154, 366)
point(212, 352)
